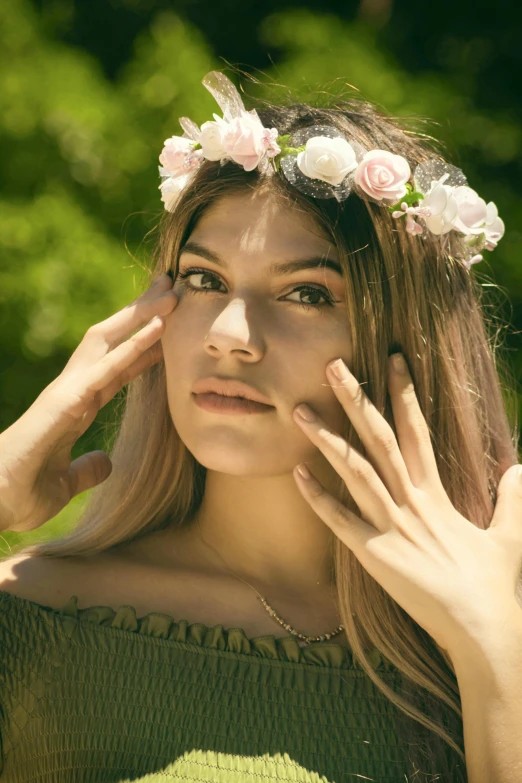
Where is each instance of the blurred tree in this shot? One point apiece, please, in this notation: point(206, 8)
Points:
point(477, 45)
point(78, 156)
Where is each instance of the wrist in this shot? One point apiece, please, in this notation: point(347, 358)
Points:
point(493, 646)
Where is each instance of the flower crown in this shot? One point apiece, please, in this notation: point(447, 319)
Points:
point(320, 162)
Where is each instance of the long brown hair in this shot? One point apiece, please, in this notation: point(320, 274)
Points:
point(402, 293)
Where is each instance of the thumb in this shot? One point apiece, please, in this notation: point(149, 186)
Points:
point(88, 471)
point(508, 508)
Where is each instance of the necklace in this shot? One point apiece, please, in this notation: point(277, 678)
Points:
point(272, 612)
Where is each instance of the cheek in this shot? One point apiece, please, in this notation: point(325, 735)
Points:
point(184, 328)
point(310, 339)
point(312, 345)
point(310, 364)
point(303, 372)
point(179, 347)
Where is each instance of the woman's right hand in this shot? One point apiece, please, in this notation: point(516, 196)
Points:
point(37, 477)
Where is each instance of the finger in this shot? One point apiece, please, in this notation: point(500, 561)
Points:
point(81, 391)
point(82, 471)
point(412, 430)
point(374, 431)
point(147, 359)
point(118, 327)
point(160, 299)
point(364, 485)
point(353, 531)
point(114, 365)
point(88, 470)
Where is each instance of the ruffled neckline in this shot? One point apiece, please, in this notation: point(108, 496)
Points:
point(162, 627)
point(233, 640)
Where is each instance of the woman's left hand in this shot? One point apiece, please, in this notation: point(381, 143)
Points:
point(454, 579)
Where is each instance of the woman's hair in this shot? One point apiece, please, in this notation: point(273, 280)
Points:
point(404, 294)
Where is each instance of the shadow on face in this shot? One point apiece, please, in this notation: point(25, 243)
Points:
point(262, 301)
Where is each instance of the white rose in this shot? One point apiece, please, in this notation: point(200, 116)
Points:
point(329, 160)
point(442, 206)
point(212, 138)
point(472, 211)
point(494, 228)
point(171, 189)
point(454, 208)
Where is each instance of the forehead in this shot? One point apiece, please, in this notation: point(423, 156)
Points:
point(258, 223)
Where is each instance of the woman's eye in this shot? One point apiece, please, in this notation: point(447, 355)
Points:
point(198, 273)
point(309, 291)
point(314, 293)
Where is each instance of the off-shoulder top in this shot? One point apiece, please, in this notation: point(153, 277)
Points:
point(101, 696)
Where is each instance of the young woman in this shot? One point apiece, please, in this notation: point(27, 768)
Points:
point(215, 615)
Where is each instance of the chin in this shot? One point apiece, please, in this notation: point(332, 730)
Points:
point(233, 463)
point(242, 458)
point(238, 449)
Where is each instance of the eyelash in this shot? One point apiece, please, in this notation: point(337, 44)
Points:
point(329, 302)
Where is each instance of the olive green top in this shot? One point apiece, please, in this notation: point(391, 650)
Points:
point(97, 695)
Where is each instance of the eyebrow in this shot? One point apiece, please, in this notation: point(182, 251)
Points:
point(285, 268)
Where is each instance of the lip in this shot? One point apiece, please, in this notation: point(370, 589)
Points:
point(229, 387)
point(220, 403)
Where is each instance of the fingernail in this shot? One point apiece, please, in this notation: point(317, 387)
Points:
point(304, 472)
point(339, 369)
point(399, 364)
point(305, 412)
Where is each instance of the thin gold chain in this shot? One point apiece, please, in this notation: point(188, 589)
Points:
point(272, 612)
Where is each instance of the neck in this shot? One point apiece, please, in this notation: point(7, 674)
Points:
point(263, 530)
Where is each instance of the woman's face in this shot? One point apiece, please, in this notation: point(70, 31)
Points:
point(239, 317)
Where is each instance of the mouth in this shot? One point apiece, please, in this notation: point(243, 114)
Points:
point(219, 403)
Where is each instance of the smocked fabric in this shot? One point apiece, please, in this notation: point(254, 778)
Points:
point(101, 696)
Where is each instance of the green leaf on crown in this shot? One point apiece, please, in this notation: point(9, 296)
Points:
point(286, 149)
point(474, 239)
point(411, 197)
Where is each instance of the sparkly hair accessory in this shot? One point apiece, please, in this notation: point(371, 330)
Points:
point(320, 162)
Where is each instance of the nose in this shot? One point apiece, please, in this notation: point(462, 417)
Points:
point(233, 332)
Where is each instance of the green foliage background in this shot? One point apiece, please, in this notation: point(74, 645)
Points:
point(80, 140)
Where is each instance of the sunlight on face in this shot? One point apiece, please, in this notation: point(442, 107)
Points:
point(247, 321)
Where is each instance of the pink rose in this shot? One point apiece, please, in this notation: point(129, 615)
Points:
point(383, 175)
point(178, 156)
point(246, 140)
point(270, 141)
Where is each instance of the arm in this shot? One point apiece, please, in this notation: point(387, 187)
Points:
point(490, 684)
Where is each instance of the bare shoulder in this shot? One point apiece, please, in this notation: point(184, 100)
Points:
point(131, 575)
point(49, 581)
point(157, 574)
